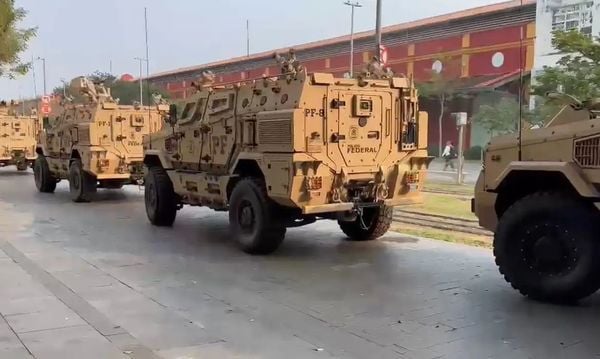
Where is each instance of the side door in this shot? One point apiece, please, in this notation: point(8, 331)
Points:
point(189, 133)
point(220, 124)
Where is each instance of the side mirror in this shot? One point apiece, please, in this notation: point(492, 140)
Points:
point(172, 119)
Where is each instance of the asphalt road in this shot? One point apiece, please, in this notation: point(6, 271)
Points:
point(97, 281)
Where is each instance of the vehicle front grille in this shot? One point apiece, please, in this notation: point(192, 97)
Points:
point(587, 152)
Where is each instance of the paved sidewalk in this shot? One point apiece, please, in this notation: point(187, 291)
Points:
point(35, 322)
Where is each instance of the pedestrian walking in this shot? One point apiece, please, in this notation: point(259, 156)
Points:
point(449, 155)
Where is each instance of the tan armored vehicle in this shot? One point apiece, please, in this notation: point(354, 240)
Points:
point(285, 151)
point(17, 137)
point(94, 144)
point(541, 198)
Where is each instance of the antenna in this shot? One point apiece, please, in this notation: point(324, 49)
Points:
point(148, 94)
point(520, 124)
point(247, 37)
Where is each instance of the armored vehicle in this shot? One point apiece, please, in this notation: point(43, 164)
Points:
point(540, 194)
point(284, 151)
point(94, 144)
point(17, 137)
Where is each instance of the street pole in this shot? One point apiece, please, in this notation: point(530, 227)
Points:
point(352, 5)
point(147, 55)
point(461, 160)
point(43, 73)
point(378, 31)
point(247, 37)
point(141, 80)
point(33, 75)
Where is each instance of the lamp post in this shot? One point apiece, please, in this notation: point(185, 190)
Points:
point(378, 31)
point(43, 59)
point(352, 5)
point(141, 60)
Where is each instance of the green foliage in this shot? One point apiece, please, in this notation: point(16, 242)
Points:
point(13, 40)
point(499, 118)
point(443, 87)
point(577, 72)
point(126, 92)
point(473, 153)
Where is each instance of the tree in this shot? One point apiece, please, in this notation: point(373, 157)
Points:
point(127, 92)
point(499, 118)
point(13, 40)
point(443, 87)
point(577, 73)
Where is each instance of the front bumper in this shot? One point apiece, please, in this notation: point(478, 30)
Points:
point(484, 205)
point(409, 199)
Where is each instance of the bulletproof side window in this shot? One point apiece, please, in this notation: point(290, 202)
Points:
point(188, 111)
point(199, 113)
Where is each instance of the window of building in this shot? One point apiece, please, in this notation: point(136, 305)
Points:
point(573, 17)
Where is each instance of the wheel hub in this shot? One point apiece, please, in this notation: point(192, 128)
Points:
point(548, 250)
point(246, 217)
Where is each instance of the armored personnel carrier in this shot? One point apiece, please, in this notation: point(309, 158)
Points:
point(17, 137)
point(94, 144)
point(541, 197)
point(285, 151)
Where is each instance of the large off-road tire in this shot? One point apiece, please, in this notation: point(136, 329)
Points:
point(547, 248)
point(159, 197)
point(82, 185)
point(253, 218)
point(44, 180)
point(376, 221)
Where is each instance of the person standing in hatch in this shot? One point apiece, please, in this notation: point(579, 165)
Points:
point(448, 155)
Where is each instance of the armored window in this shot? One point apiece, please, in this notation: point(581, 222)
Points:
point(222, 103)
point(199, 109)
point(188, 110)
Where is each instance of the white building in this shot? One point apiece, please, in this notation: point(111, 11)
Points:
point(581, 15)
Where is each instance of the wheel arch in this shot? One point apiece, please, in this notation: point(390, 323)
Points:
point(242, 168)
point(519, 181)
point(156, 158)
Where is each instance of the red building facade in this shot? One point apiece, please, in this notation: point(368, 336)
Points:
point(484, 47)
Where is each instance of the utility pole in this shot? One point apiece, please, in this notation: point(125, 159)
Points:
point(33, 75)
point(353, 5)
point(461, 121)
point(378, 31)
point(43, 59)
point(141, 79)
point(247, 37)
point(147, 53)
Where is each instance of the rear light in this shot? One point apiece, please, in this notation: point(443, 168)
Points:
point(314, 183)
point(411, 177)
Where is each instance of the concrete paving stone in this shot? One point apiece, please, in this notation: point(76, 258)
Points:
point(153, 324)
point(28, 305)
point(71, 343)
point(222, 350)
point(10, 345)
point(53, 315)
point(36, 244)
point(58, 263)
point(81, 281)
